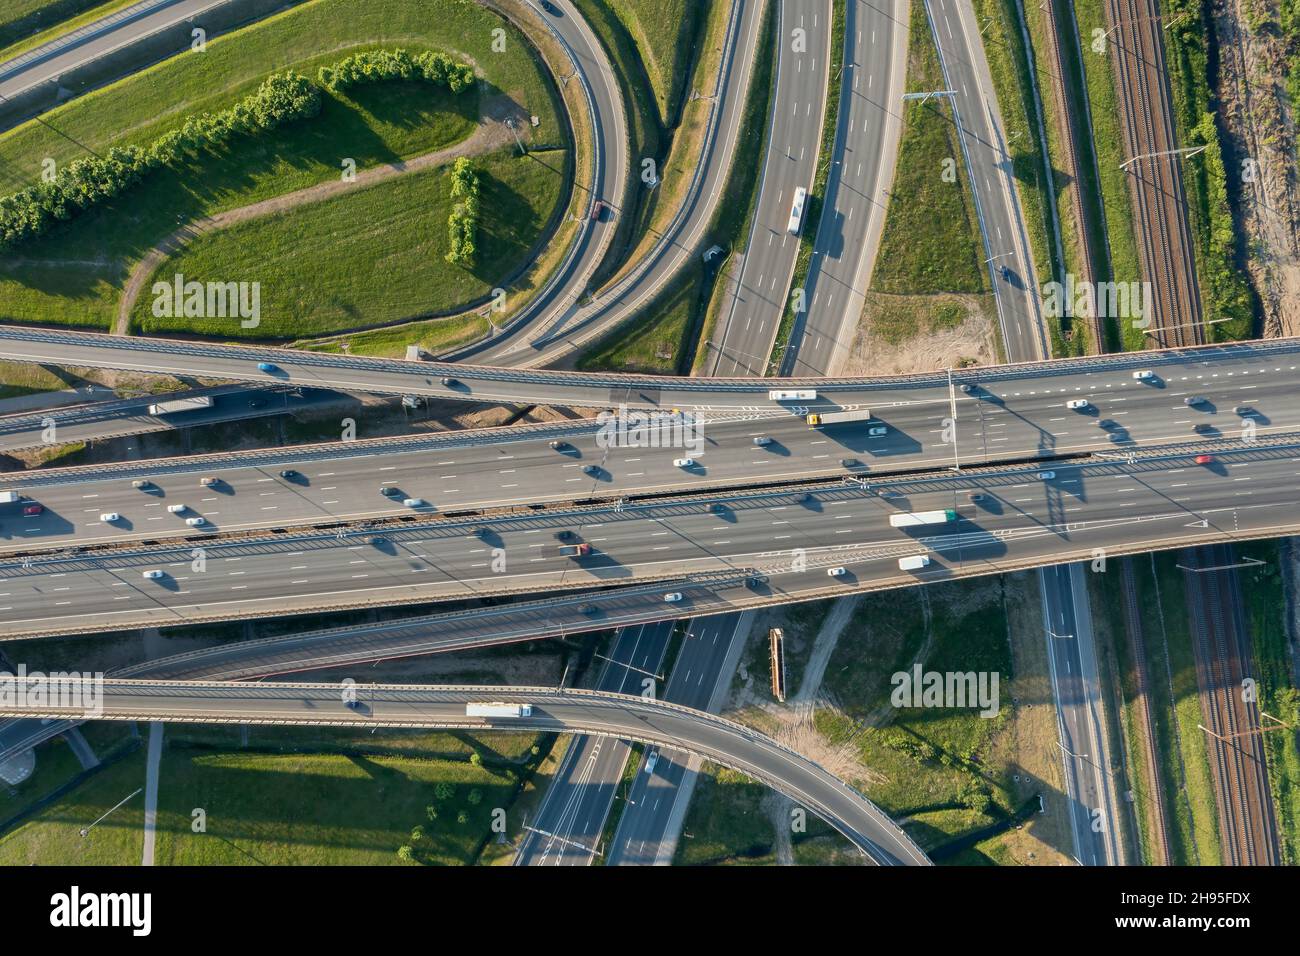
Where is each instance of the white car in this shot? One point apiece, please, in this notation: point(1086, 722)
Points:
point(207, 482)
point(1046, 475)
point(762, 441)
point(684, 463)
point(176, 509)
point(197, 521)
point(672, 597)
point(877, 431)
point(108, 517)
point(651, 760)
point(836, 572)
point(1144, 375)
point(153, 575)
point(413, 502)
point(1075, 404)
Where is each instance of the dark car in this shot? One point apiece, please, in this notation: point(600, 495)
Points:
point(591, 469)
point(588, 609)
point(388, 491)
point(451, 382)
point(565, 535)
point(288, 473)
point(559, 445)
point(551, 8)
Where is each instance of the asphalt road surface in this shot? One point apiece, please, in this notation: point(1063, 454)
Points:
point(862, 165)
point(590, 712)
point(792, 536)
point(1023, 419)
point(579, 798)
point(758, 298)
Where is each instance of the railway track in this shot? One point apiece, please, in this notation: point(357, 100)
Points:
point(1155, 175)
point(1221, 641)
point(1233, 742)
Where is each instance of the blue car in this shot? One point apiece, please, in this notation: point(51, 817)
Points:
point(266, 367)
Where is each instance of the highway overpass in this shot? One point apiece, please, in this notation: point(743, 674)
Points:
point(559, 710)
point(1269, 357)
point(773, 545)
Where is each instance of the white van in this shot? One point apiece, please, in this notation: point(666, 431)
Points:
point(914, 562)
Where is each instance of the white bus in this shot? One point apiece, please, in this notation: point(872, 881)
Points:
point(796, 211)
point(792, 395)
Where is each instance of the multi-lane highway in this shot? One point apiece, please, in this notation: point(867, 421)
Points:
point(658, 799)
point(1245, 392)
point(789, 538)
point(758, 298)
point(568, 826)
point(862, 166)
point(591, 712)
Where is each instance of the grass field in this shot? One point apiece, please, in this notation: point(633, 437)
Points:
point(355, 802)
point(656, 342)
point(664, 32)
point(725, 823)
point(321, 809)
point(73, 275)
point(935, 763)
point(369, 257)
point(51, 837)
point(930, 243)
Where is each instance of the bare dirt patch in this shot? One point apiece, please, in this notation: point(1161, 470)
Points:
point(905, 334)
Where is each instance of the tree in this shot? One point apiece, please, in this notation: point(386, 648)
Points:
point(406, 853)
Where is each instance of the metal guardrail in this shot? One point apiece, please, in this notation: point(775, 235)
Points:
point(293, 357)
point(88, 32)
point(457, 694)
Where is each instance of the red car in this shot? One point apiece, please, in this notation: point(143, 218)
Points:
point(597, 210)
point(1204, 459)
point(33, 509)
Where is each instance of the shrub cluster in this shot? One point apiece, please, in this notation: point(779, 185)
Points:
point(377, 66)
point(462, 224)
point(83, 183)
point(282, 98)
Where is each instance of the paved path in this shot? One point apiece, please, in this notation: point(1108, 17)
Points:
point(151, 790)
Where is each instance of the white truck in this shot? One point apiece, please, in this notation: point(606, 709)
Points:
point(10, 497)
point(831, 418)
point(180, 405)
point(498, 710)
point(914, 562)
point(910, 519)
